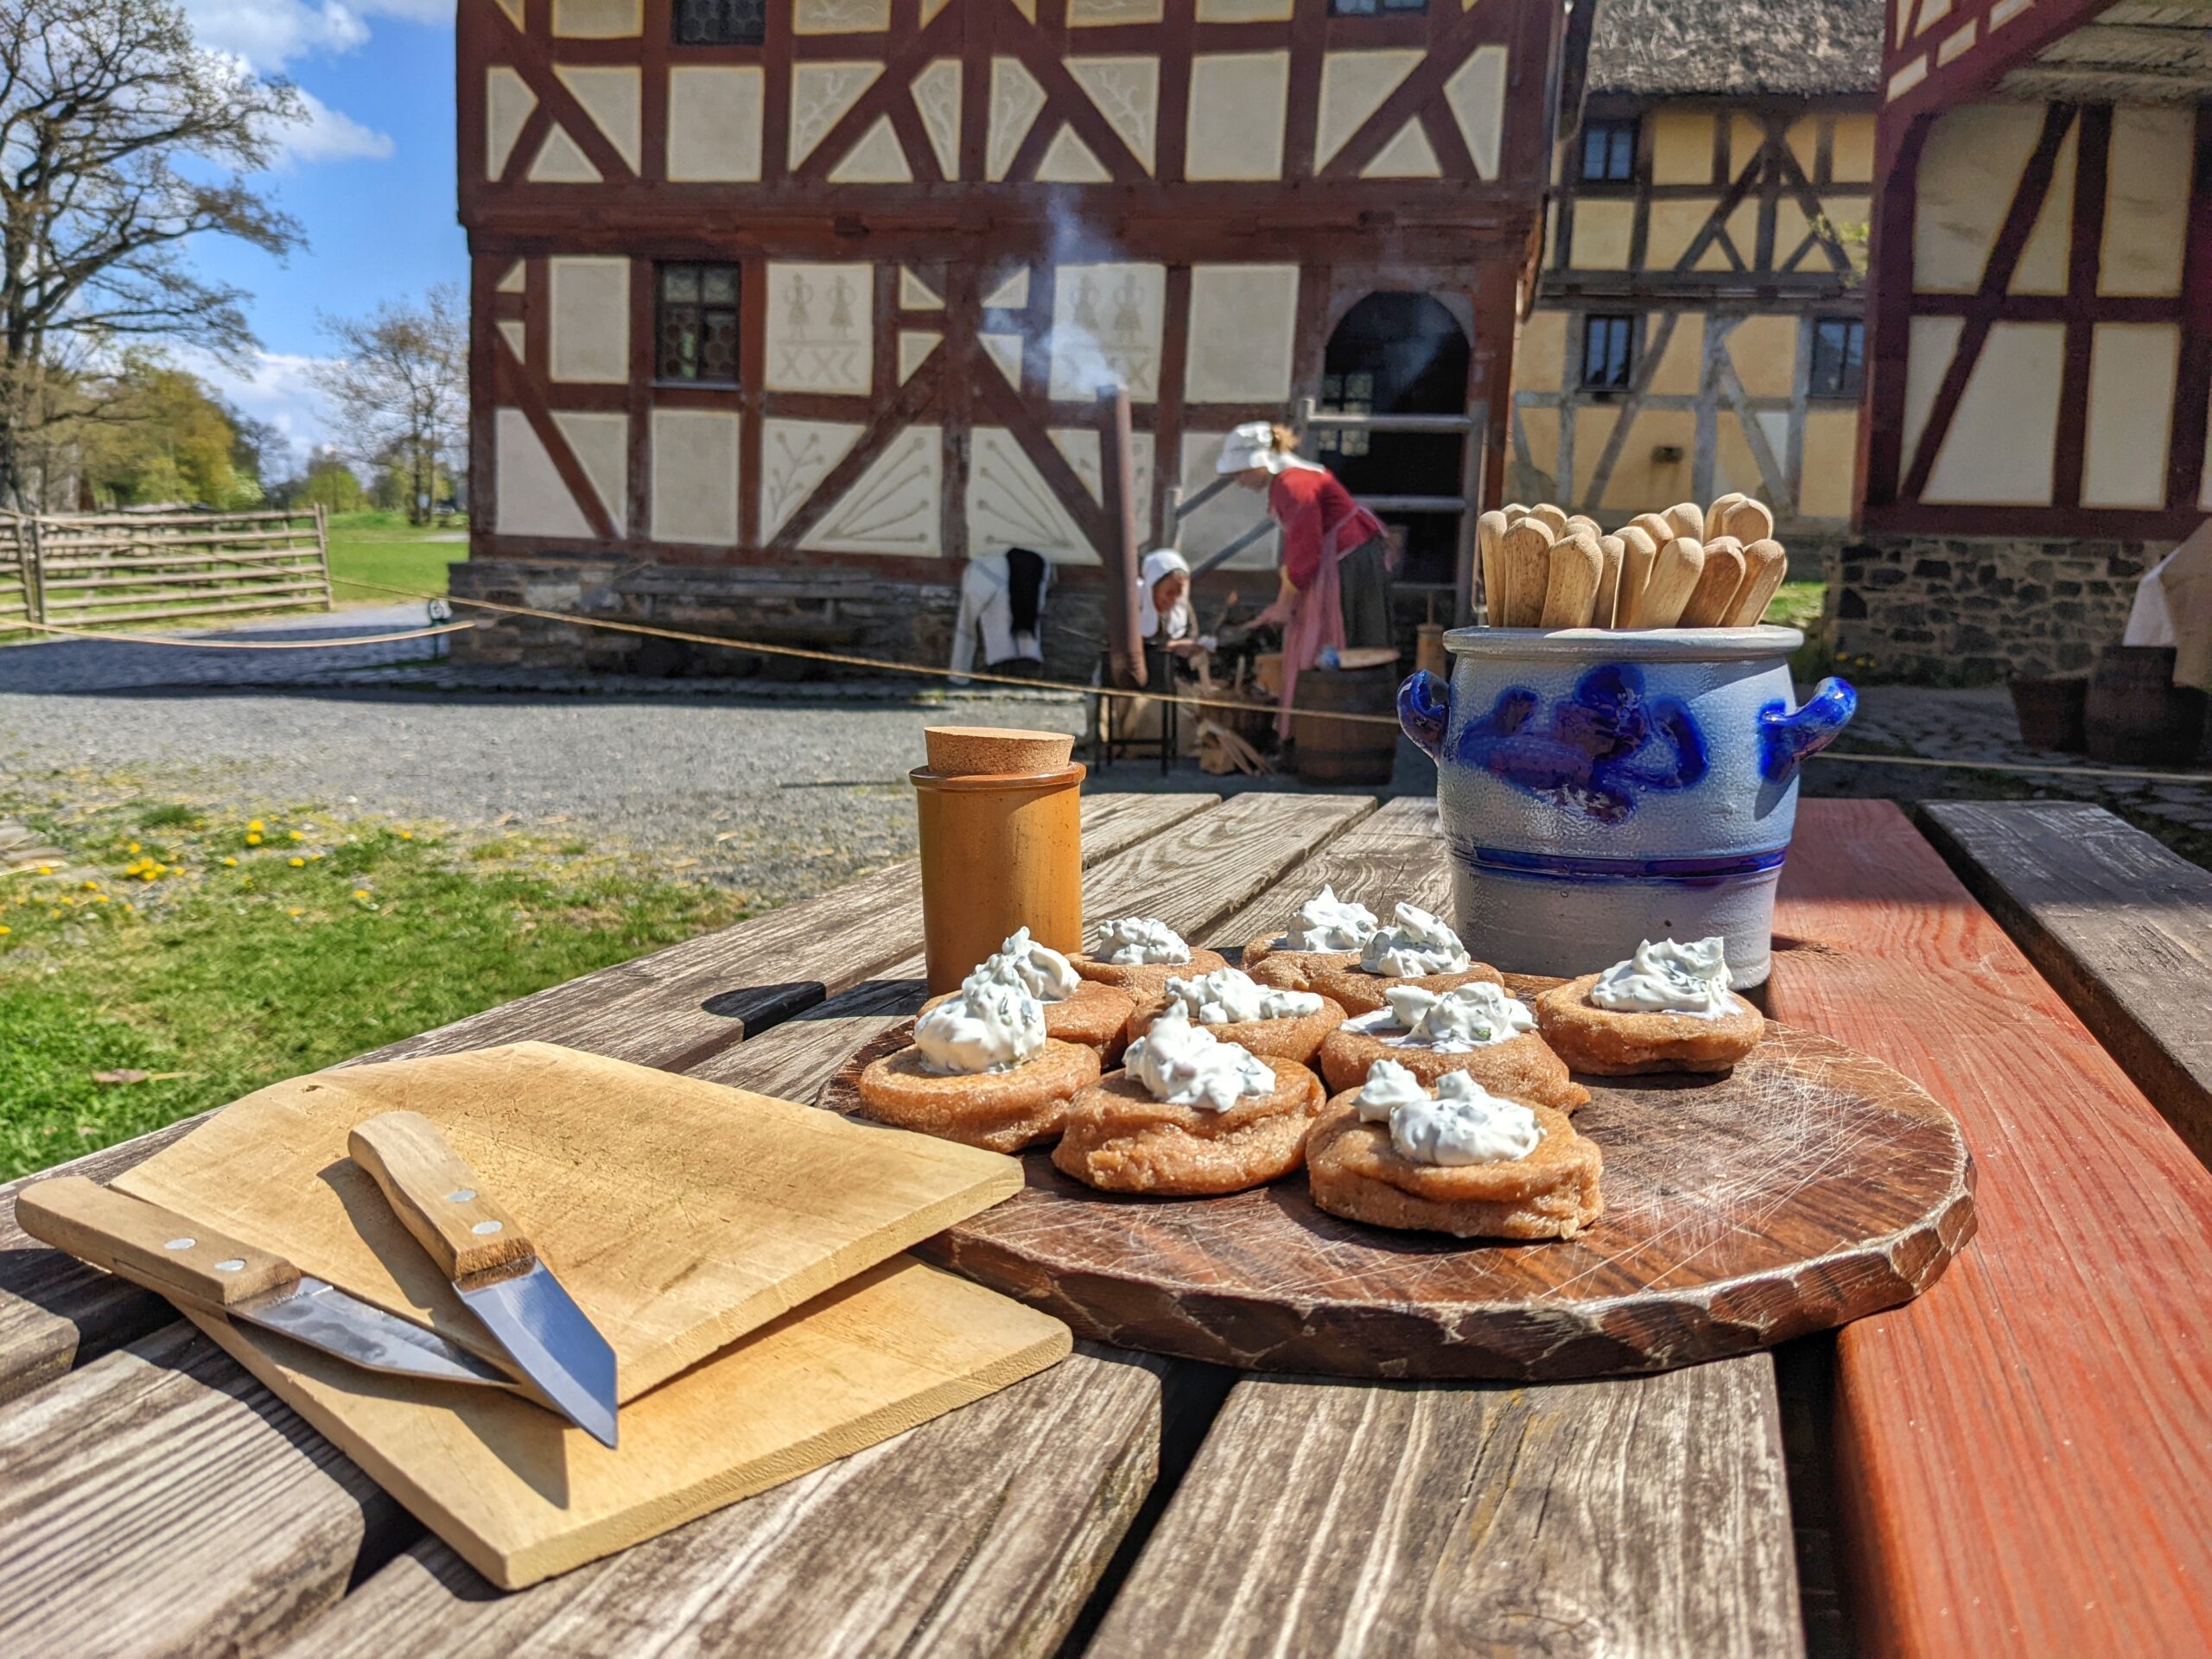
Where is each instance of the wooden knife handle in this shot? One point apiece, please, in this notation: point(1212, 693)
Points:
point(147, 1244)
point(435, 1194)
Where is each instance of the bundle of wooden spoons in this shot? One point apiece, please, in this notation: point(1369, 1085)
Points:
point(1689, 567)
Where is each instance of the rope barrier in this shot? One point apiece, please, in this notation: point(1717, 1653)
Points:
point(926, 670)
point(243, 644)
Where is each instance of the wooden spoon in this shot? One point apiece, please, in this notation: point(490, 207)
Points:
point(1750, 521)
point(1655, 525)
point(1717, 584)
point(1716, 510)
point(1578, 522)
point(1764, 566)
point(1489, 531)
point(1687, 519)
point(1607, 605)
point(1552, 517)
point(1674, 576)
point(1638, 550)
point(1576, 562)
point(1524, 557)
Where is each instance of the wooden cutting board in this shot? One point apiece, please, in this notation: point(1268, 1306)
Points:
point(679, 1214)
point(1811, 1186)
point(521, 1496)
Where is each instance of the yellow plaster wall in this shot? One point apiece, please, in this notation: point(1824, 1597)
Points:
point(1541, 353)
point(1639, 483)
point(1602, 232)
point(1734, 465)
point(1851, 153)
point(1542, 427)
point(1681, 146)
point(1593, 425)
point(1763, 348)
point(1669, 228)
point(1677, 370)
point(1824, 484)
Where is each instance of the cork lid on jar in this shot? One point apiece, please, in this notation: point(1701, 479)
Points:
point(977, 750)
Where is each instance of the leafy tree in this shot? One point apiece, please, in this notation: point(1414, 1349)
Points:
point(401, 388)
point(330, 484)
point(120, 141)
point(160, 436)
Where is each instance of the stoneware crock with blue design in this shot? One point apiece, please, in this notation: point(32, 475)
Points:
point(1600, 788)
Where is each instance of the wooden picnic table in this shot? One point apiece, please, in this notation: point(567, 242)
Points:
point(2016, 1462)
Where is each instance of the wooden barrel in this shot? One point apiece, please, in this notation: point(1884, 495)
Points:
point(1333, 751)
point(2052, 713)
point(2137, 716)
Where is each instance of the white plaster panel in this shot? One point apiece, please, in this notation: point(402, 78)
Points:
point(1127, 92)
point(1929, 347)
point(1244, 11)
point(507, 104)
point(877, 158)
point(795, 457)
point(840, 16)
point(588, 320)
point(1015, 99)
point(597, 20)
point(1968, 172)
point(694, 476)
point(1475, 93)
point(559, 161)
point(1083, 14)
point(1243, 321)
point(1225, 517)
point(600, 443)
point(1011, 293)
point(511, 332)
point(1005, 351)
point(1353, 87)
point(1407, 155)
point(2147, 198)
point(1068, 160)
point(2131, 371)
point(915, 345)
point(2044, 256)
point(1081, 446)
point(895, 507)
point(821, 328)
point(512, 9)
point(532, 499)
point(515, 278)
point(714, 122)
point(1237, 106)
point(1106, 325)
point(2003, 437)
point(1009, 504)
point(937, 97)
point(915, 295)
point(821, 92)
point(611, 95)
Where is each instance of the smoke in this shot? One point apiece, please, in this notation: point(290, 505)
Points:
point(1079, 361)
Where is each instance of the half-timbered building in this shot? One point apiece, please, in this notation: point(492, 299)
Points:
point(1699, 328)
point(785, 307)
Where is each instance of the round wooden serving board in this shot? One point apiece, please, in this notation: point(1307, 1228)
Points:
point(1811, 1186)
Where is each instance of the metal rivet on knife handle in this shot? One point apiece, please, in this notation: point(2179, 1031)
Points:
point(424, 1179)
point(148, 1244)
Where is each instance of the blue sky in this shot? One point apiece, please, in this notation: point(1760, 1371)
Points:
point(370, 177)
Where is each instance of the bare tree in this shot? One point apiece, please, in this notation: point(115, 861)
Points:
point(120, 139)
point(401, 386)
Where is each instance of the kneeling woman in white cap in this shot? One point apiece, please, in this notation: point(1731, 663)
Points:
point(1335, 575)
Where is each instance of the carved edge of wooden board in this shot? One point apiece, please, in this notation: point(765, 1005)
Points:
point(1148, 1309)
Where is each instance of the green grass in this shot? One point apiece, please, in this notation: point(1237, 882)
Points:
point(384, 548)
point(151, 953)
point(1797, 605)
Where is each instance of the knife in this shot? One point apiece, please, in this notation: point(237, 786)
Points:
point(484, 1252)
point(198, 1267)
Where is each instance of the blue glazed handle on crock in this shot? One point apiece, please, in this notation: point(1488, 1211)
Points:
point(1424, 706)
point(1786, 736)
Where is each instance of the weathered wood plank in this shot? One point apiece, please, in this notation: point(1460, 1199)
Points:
point(2023, 1453)
point(1424, 1519)
point(160, 1502)
point(980, 1532)
point(2121, 927)
point(690, 1000)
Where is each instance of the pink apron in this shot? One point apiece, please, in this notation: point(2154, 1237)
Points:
point(1319, 621)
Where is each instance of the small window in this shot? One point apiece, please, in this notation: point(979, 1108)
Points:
point(698, 324)
point(1839, 367)
point(1608, 352)
point(1608, 152)
point(720, 22)
point(1374, 8)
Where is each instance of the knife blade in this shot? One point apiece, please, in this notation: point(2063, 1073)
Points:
point(196, 1267)
point(494, 1266)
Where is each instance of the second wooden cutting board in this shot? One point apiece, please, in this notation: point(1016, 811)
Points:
point(679, 1214)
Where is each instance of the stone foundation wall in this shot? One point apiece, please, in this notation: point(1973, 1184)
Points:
point(1973, 610)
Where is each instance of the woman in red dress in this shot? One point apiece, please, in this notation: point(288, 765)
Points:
point(1336, 575)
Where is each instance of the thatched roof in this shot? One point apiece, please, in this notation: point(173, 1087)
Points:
point(1735, 48)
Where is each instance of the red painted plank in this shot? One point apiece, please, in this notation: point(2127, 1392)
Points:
point(2024, 1453)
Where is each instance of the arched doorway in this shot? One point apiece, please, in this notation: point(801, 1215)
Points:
point(1399, 354)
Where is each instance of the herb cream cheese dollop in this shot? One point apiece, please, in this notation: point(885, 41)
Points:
point(1328, 923)
point(1416, 945)
point(1184, 1065)
point(1669, 977)
point(1133, 941)
point(1462, 1123)
point(1229, 996)
point(981, 1027)
point(1451, 1022)
point(1026, 965)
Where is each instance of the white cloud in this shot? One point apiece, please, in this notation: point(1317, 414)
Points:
point(329, 135)
point(277, 388)
point(412, 11)
point(270, 34)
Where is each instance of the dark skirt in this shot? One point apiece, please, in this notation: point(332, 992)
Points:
point(1363, 593)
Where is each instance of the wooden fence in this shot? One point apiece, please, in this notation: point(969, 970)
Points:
point(95, 570)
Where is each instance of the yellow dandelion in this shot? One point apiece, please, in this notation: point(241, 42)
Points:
point(69, 898)
point(127, 904)
point(5, 930)
point(230, 863)
point(298, 863)
point(360, 893)
point(313, 856)
point(46, 870)
point(296, 912)
point(132, 847)
point(91, 887)
point(99, 898)
point(407, 835)
point(253, 838)
point(299, 835)
point(256, 827)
